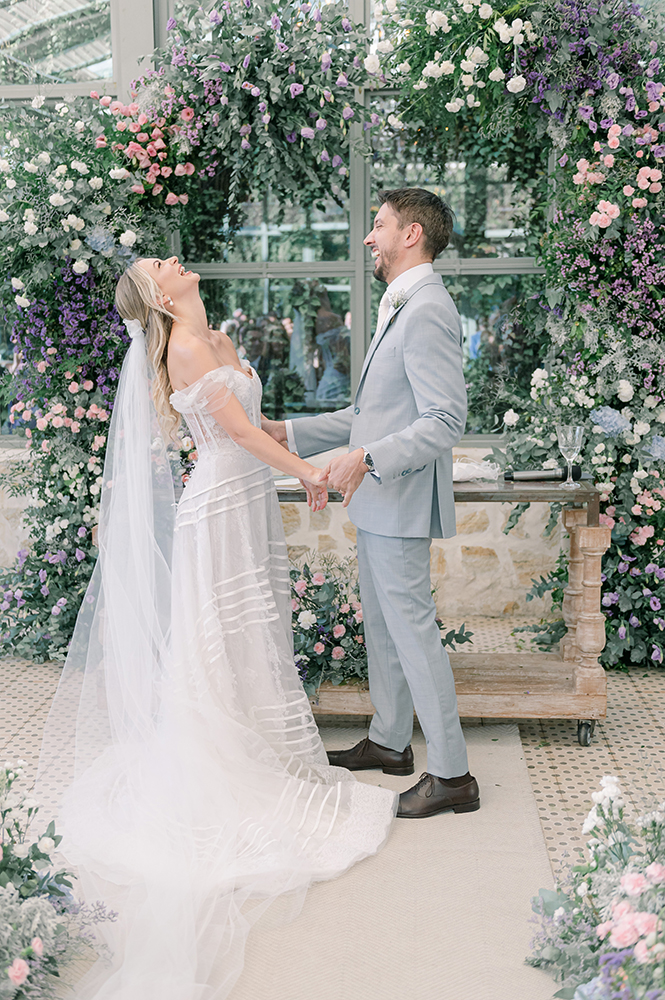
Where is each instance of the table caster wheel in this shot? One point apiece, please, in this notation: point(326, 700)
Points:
point(585, 730)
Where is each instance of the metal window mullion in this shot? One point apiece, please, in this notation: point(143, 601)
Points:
point(132, 36)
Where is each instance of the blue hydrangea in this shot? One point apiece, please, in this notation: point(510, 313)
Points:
point(100, 239)
point(657, 447)
point(612, 422)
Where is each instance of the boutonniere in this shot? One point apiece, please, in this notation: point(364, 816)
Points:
point(398, 298)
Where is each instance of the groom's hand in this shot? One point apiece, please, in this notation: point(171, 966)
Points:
point(346, 473)
point(276, 429)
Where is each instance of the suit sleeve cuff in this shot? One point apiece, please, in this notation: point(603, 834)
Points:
point(290, 436)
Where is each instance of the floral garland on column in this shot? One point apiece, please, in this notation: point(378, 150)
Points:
point(586, 78)
point(247, 96)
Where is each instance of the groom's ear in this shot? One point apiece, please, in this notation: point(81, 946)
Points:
point(413, 235)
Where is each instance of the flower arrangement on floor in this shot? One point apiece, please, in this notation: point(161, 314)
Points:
point(602, 930)
point(328, 628)
point(42, 927)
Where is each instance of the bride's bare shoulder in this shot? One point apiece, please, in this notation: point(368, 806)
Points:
point(188, 358)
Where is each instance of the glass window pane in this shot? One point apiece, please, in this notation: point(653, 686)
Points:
point(491, 211)
point(267, 231)
point(55, 41)
point(295, 333)
point(499, 349)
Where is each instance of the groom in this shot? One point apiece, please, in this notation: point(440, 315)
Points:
point(409, 411)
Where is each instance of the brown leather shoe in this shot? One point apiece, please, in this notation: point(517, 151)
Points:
point(432, 795)
point(367, 755)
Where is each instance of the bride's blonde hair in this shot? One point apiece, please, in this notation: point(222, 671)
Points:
point(138, 296)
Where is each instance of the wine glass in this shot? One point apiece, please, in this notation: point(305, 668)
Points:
point(570, 439)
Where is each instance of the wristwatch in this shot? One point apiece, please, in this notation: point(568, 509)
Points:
point(367, 459)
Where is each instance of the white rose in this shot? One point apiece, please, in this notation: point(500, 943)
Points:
point(642, 428)
point(128, 238)
point(307, 619)
point(75, 245)
point(625, 391)
point(3, 216)
point(21, 850)
point(81, 167)
point(61, 170)
point(467, 8)
point(467, 80)
point(57, 199)
point(31, 168)
point(497, 74)
point(46, 845)
point(385, 46)
point(95, 183)
point(105, 208)
point(372, 64)
point(516, 84)
point(518, 39)
point(485, 11)
point(505, 36)
point(10, 183)
point(471, 101)
point(391, 6)
point(447, 67)
point(404, 67)
point(478, 56)
point(467, 66)
point(21, 301)
point(17, 284)
point(80, 266)
point(37, 102)
point(4, 166)
point(395, 122)
point(551, 463)
point(510, 418)
point(68, 185)
point(44, 158)
point(119, 174)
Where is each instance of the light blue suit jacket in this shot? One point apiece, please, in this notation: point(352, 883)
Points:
point(409, 411)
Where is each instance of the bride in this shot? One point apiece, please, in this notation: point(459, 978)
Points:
point(181, 752)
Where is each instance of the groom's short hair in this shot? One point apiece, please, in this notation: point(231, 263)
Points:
point(425, 208)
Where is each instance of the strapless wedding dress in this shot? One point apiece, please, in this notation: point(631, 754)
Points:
point(230, 802)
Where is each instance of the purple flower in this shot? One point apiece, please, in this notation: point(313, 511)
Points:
point(282, 47)
point(622, 567)
point(61, 603)
point(246, 61)
point(321, 123)
point(328, 96)
point(610, 599)
point(292, 68)
point(621, 631)
point(225, 68)
point(275, 22)
point(650, 568)
point(342, 80)
point(263, 106)
point(215, 17)
point(247, 3)
point(80, 555)
point(628, 129)
point(317, 16)
point(295, 89)
point(336, 160)
point(613, 81)
point(291, 137)
point(374, 118)
point(245, 129)
point(660, 573)
point(307, 133)
point(255, 91)
point(563, 160)
point(634, 621)
point(171, 23)
point(655, 604)
point(658, 151)
point(245, 145)
point(325, 156)
point(82, 532)
point(656, 654)
point(346, 24)
point(326, 62)
point(635, 571)
point(347, 113)
point(305, 8)
point(43, 574)
point(44, 590)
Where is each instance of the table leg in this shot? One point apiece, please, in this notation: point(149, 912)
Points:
point(590, 633)
point(573, 519)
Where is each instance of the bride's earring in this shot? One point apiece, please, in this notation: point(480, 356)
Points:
point(169, 300)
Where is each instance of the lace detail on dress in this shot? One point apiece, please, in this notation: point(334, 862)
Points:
point(201, 402)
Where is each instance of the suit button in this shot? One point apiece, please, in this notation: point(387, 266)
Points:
point(357, 409)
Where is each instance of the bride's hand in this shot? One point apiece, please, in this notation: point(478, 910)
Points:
point(316, 488)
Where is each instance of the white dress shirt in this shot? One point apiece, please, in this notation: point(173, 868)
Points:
point(402, 283)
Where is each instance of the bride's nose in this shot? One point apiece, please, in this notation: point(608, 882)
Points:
point(173, 260)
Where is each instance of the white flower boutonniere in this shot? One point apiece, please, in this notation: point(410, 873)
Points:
point(398, 298)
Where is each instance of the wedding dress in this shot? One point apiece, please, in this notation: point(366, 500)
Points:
point(192, 782)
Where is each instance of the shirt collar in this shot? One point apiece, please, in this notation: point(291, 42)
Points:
point(407, 279)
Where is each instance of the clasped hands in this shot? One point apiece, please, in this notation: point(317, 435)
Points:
point(344, 473)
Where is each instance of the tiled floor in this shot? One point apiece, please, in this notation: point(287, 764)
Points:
point(629, 743)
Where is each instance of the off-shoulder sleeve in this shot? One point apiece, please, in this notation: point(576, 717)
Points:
point(211, 392)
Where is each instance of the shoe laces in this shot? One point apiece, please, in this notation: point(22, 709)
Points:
point(425, 779)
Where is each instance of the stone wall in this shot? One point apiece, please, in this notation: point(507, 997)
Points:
point(480, 571)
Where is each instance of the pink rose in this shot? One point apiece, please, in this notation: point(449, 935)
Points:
point(633, 884)
point(105, 101)
point(19, 969)
point(356, 605)
point(358, 616)
point(318, 579)
point(602, 930)
point(639, 203)
point(621, 909)
point(75, 427)
point(641, 952)
point(189, 169)
point(183, 198)
point(42, 424)
point(628, 190)
point(171, 198)
point(614, 130)
point(58, 422)
point(345, 608)
point(655, 873)
point(300, 586)
point(37, 946)
point(41, 367)
point(88, 385)
point(157, 188)
point(339, 631)
point(337, 653)
point(624, 934)
point(606, 520)
point(613, 143)
point(294, 604)
point(142, 119)
point(319, 648)
point(102, 415)
point(73, 387)
point(166, 171)
point(138, 189)
point(187, 114)
point(645, 923)
point(608, 160)
point(656, 187)
point(180, 170)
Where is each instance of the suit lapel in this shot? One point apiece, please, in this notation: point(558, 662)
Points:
point(378, 336)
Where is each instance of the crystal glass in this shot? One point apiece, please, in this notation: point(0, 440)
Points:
point(570, 439)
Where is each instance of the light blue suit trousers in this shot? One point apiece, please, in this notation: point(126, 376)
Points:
point(408, 666)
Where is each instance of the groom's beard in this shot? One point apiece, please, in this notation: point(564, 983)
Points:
point(383, 265)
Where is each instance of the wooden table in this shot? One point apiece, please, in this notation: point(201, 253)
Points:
point(569, 684)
